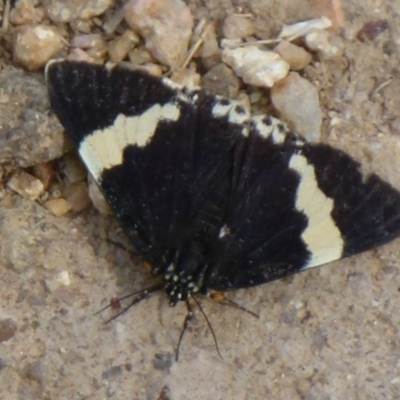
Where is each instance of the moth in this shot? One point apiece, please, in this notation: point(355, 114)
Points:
point(214, 198)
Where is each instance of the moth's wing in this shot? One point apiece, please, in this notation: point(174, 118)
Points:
point(366, 208)
point(144, 142)
point(295, 206)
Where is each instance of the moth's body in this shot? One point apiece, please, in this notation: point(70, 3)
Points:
point(212, 197)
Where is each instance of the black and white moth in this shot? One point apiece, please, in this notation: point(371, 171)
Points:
point(212, 197)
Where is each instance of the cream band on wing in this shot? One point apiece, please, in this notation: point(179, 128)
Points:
point(104, 148)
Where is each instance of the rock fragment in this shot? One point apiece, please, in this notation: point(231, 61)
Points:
point(119, 48)
point(77, 196)
point(297, 101)
point(324, 43)
point(71, 10)
point(297, 57)
point(221, 80)
point(238, 26)
point(256, 67)
point(35, 45)
point(166, 26)
point(58, 207)
point(26, 185)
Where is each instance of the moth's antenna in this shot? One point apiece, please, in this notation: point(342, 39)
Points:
point(138, 297)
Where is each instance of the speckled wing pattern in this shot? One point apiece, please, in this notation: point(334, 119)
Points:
point(200, 184)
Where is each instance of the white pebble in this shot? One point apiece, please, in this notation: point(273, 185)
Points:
point(256, 67)
point(326, 45)
point(61, 279)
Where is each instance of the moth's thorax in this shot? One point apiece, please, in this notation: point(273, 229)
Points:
point(185, 275)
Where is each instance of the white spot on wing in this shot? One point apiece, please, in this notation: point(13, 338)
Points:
point(104, 148)
point(321, 236)
point(235, 111)
point(270, 126)
point(187, 94)
point(278, 134)
point(224, 231)
point(171, 84)
point(261, 127)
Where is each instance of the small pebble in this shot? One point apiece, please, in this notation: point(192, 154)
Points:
point(86, 41)
point(205, 40)
point(119, 48)
point(237, 26)
point(221, 80)
point(140, 56)
point(98, 52)
point(163, 361)
point(72, 168)
point(231, 43)
point(210, 47)
point(35, 45)
point(166, 26)
point(45, 172)
point(25, 13)
point(26, 185)
point(372, 29)
point(297, 101)
point(60, 279)
point(71, 10)
point(58, 207)
point(324, 43)
point(80, 55)
point(256, 67)
point(112, 23)
point(128, 366)
point(77, 196)
point(296, 56)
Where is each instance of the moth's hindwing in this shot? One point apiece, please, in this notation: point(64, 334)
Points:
point(194, 177)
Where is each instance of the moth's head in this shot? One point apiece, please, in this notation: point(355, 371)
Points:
point(184, 276)
point(180, 285)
